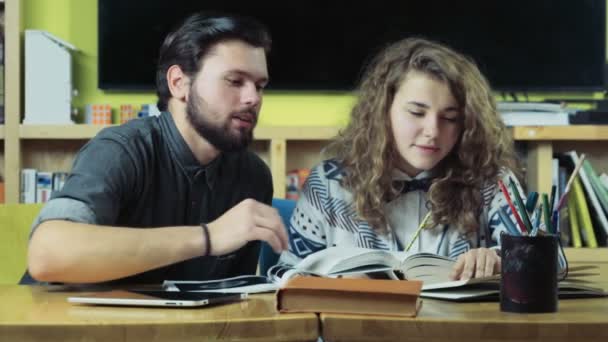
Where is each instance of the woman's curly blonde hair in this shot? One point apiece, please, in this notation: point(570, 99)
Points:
point(367, 149)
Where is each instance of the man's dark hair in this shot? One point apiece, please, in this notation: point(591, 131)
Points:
point(187, 45)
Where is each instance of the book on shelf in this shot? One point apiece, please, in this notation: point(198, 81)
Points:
point(505, 106)
point(37, 186)
point(596, 185)
point(585, 224)
point(563, 218)
point(28, 186)
point(535, 118)
point(534, 114)
point(352, 296)
point(294, 182)
point(596, 211)
point(575, 230)
point(604, 180)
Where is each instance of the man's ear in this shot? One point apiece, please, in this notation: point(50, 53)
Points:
point(178, 82)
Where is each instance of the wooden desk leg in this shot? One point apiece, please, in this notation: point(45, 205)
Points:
point(278, 164)
point(539, 166)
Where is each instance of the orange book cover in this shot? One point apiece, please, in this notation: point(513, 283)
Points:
point(349, 295)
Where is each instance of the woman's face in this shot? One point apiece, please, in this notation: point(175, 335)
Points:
point(426, 122)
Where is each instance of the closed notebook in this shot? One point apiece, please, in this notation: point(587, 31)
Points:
point(347, 295)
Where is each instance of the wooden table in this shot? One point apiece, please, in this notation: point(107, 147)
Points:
point(576, 320)
point(29, 313)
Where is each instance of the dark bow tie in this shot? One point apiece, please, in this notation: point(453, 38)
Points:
point(413, 185)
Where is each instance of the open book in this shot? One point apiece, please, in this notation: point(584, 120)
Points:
point(333, 262)
point(340, 261)
point(491, 292)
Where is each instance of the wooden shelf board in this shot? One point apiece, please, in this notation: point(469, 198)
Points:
point(66, 132)
point(296, 133)
point(574, 132)
point(60, 132)
point(531, 133)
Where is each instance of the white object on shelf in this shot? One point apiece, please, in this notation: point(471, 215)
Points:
point(28, 186)
point(528, 107)
point(535, 118)
point(48, 79)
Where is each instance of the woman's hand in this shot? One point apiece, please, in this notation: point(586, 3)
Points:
point(476, 263)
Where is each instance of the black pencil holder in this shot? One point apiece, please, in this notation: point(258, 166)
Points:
point(528, 281)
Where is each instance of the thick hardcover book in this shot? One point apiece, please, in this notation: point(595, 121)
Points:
point(349, 295)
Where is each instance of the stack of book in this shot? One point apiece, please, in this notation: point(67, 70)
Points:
point(584, 222)
point(534, 114)
point(37, 186)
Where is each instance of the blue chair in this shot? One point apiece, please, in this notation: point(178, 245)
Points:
point(268, 257)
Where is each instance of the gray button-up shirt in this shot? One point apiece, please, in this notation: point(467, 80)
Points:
point(143, 174)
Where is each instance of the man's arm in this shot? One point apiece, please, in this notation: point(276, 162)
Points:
point(64, 251)
point(73, 252)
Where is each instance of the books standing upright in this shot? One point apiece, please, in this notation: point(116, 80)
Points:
point(593, 201)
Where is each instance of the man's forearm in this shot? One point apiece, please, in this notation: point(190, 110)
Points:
point(63, 251)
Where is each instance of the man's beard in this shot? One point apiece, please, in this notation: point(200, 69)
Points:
point(217, 135)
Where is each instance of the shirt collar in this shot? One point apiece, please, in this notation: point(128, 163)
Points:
point(183, 154)
point(400, 175)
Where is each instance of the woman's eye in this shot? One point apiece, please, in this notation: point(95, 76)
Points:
point(455, 119)
point(234, 82)
point(414, 113)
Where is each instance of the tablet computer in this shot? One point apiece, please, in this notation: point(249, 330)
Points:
point(156, 298)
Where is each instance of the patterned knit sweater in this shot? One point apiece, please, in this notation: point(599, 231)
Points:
point(325, 216)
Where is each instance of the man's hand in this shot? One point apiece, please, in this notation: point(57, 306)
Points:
point(247, 221)
point(476, 263)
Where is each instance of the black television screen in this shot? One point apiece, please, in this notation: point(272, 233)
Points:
point(520, 45)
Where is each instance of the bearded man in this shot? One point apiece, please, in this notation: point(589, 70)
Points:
point(176, 196)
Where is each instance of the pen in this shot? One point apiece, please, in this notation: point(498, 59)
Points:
point(552, 198)
point(531, 201)
point(555, 222)
point(520, 205)
point(536, 223)
point(547, 212)
point(420, 227)
point(504, 218)
point(503, 188)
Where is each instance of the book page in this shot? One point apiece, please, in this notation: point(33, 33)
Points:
point(489, 281)
point(430, 268)
point(337, 260)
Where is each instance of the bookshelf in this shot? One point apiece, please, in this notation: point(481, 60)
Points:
point(53, 148)
point(544, 141)
point(286, 148)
